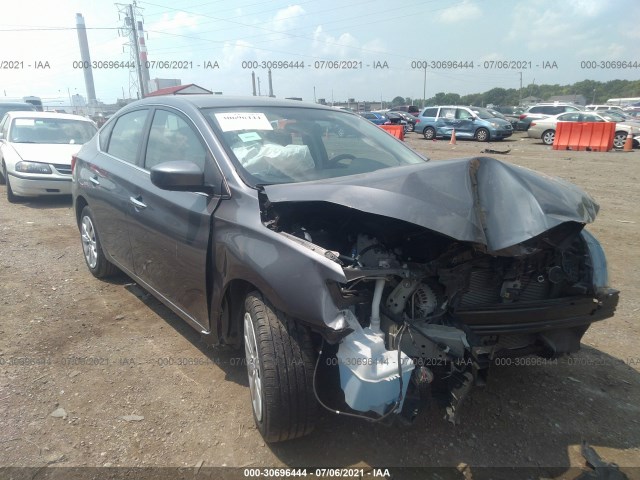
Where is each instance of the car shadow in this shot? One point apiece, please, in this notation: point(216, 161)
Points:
point(539, 411)
point(48, 202)
point(232, 361)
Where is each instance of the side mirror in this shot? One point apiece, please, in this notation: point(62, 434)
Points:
point(179, 176)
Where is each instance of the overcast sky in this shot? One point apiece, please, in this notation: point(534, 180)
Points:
point(557, 34)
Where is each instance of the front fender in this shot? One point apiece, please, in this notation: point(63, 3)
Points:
point(291, 276)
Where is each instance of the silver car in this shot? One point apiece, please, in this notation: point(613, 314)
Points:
point(545, 129)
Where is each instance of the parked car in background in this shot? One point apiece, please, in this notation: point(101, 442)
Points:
point(396, 119)
point(410, 119)
point(620, 116)
point(15, 107)
point(545, 128)
point(542, 110)
point(377, 118)
point(394, 275)
point(468, 122)
point(36, 150)
point(510, 113)
point(599, 108)
point(411, 109)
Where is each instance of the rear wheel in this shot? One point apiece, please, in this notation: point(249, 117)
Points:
point(280, 368)
point(548, 136)
point(619, 139)
point(429, 133)
point(482, 135)
point(94, 257)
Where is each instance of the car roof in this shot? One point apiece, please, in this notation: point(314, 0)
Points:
point(224, 101)
point(18, 104)
point(31, 114)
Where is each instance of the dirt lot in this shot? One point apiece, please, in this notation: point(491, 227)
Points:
point(135, 386)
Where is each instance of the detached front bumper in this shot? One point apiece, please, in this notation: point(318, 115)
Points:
point(544, 316)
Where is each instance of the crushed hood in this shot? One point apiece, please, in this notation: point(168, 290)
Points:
point(480, 200)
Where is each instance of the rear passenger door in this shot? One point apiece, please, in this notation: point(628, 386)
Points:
point(170, 230)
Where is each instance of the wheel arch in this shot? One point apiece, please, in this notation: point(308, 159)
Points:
point(80, 203)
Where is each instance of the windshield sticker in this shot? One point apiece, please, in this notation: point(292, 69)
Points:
point(249, 137)
point(24, 122)
point(234, 121)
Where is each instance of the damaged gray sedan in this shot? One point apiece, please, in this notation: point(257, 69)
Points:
point(356, 275)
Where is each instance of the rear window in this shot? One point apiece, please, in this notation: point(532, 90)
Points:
point(430, 112)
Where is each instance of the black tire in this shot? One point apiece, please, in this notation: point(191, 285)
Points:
point(412, 127)
point(11, 197)
point(96, 262)
point(482, 135)
point(619, 139)
point(429, 133)
point(3, 175)
point(548, 136)
point(283, 361)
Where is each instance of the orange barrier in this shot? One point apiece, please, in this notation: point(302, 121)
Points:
point(595, 136)
point(395, 130)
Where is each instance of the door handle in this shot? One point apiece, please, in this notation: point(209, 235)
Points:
point(94, 180)
point(137, 202)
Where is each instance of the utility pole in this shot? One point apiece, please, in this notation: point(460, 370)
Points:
point(520, 91)
point(128, 29)
point(424, 86)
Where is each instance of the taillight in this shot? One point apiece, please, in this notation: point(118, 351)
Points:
point(533, 124)
point(522, 117)
point(73, 163)
point(417, 121)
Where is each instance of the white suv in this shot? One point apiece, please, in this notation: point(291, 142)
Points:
point(544, 110)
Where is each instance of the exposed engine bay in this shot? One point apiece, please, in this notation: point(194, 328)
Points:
point(427, 297)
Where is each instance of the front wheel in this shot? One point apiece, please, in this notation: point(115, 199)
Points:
point(11, 197)
point(280, 368)
point(482, 135)
point(548, 137)
point(619, 139)
point(94, 257)
point(429, 133)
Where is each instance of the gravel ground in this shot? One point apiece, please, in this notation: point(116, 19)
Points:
point(96, 373)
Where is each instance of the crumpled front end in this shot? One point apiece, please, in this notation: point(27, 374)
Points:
point(448, 268)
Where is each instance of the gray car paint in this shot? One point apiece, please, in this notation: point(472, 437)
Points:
point(466, 199)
